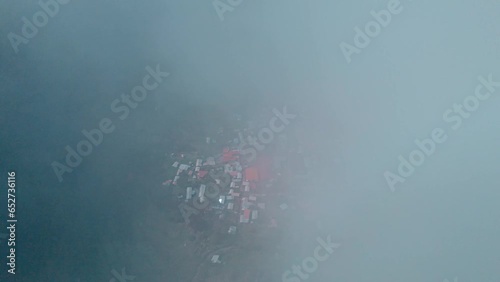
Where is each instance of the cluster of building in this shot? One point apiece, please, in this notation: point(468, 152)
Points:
point(243, 192)
point(240, 197)
point(243, 189)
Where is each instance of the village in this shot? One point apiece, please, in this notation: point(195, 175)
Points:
point(228, 199)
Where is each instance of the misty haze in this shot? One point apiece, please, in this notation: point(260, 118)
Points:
point(250, 141)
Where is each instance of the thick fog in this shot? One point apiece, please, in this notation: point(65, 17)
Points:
point(424, 85)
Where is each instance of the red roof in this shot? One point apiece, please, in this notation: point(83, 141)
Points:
point(229, 156)
point(202, 173)
point(246, 214)
point(262, 170)
point(252, 174)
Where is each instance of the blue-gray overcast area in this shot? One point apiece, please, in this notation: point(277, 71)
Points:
point(249, 141)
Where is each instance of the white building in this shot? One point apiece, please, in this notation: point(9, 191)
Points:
point(232, 229)
point(202, 193)
point(215, 259)
point(189, 193)
point(255, 215)
point(245, 204)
